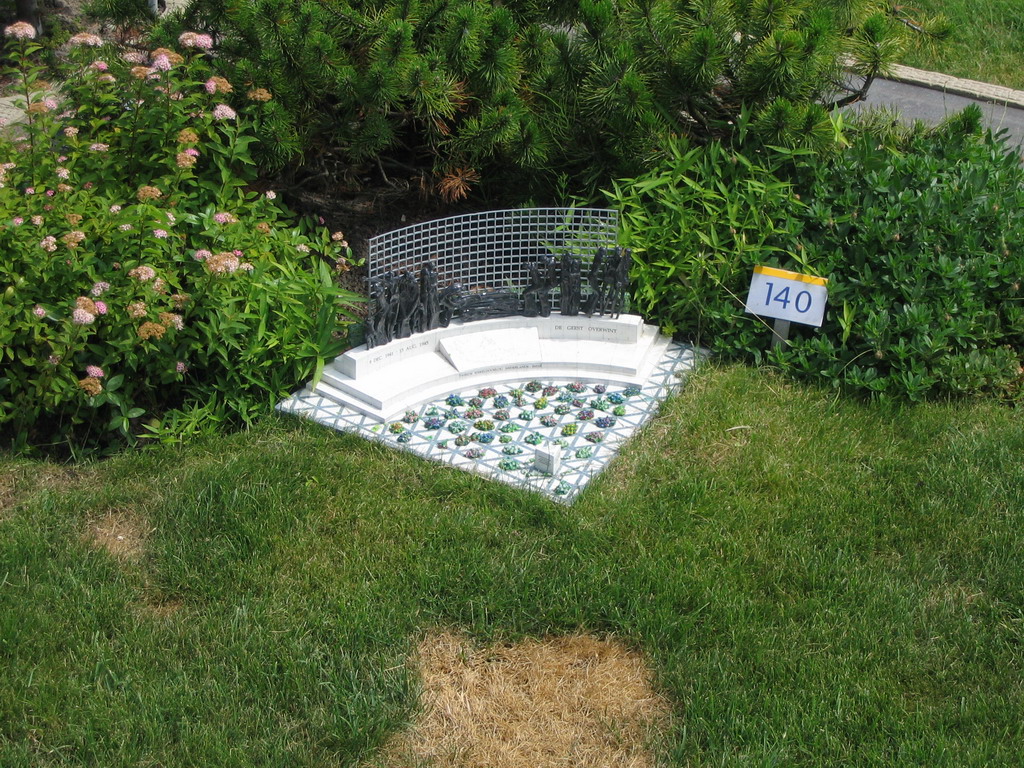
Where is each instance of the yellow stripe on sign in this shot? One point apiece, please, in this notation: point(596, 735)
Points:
point(787, 275)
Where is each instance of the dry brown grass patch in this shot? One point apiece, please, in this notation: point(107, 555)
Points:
point(118, 532)
point(7, 494)
point(568, 701)
point(161, 609)
point(21, 480)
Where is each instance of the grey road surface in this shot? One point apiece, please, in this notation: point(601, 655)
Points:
point(932, 106)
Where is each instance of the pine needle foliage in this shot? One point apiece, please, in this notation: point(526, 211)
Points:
point(524, 93)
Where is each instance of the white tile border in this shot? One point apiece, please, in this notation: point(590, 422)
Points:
point(576, 471)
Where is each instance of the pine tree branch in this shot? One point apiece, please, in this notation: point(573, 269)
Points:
point(855, 95)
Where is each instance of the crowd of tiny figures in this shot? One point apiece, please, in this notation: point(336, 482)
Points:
point(405, 303)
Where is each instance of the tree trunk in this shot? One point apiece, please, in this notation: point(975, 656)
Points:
point(28, 10)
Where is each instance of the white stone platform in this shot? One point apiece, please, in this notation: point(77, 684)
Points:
point(386, 381)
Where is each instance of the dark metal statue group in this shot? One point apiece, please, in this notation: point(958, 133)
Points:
point(404, 304)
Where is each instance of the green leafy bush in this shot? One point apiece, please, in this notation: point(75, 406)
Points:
point(922, 247)
point(141, 279)
point(696, 224)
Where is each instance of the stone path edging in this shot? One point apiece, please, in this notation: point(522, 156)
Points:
point(973, 89)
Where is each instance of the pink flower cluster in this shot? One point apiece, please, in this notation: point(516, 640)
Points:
point(225, 218)
point(85, 38)
point(95, 371)
point(98, 289)
point(195, 40)
point(20, 30)
point(223, 263)
point(224, 112)
point(142, 273)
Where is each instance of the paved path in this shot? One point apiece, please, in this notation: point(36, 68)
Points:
point(931, 97)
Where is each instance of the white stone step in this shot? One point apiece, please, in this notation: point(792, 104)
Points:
point(386, 381)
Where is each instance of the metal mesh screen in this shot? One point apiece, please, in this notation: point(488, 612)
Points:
point(494, 250)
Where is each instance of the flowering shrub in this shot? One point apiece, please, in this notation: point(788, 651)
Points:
point(140, 278)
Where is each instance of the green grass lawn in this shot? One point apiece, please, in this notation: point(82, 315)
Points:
point(987, 43)
point(815, 581)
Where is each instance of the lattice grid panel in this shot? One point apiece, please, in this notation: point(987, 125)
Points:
point(494, 250)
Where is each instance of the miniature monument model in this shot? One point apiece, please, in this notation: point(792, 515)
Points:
point(517, 300)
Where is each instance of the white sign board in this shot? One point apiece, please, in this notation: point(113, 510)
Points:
point(787, 295)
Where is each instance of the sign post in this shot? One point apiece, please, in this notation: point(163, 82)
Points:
point(789, 297)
